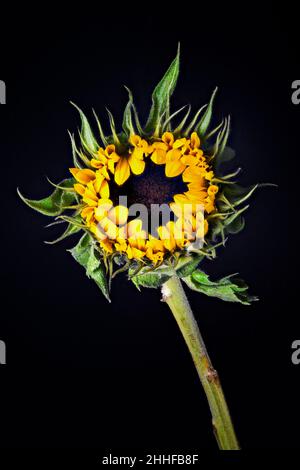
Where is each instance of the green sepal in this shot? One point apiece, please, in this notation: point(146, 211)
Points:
point(225, 156)
point(167, 123)
point(154, 278)
point(127, 124)
point(75, 152)
point(221, 144)
point(88, 257)
point(204, 123)
point(192, 124)
point(71, 229)
point(86, 135)
point(187, 264)
point(227, 288)
point(102, 136)
point(115, 136)
point(235, 226)
point(181, 125)
point(54, 204)
point(236, 194)
point(161, 95)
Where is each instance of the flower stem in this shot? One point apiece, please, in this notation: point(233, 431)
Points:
point(174, 296)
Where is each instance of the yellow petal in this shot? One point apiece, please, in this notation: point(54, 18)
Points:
point(103, 208)
point(104, 173)
point(111, 166)
point(109, 228)
point(104, 190)
point(98, 232)
point(98, 182)
point(195, 141)
point(212, 190)
point(155, 244)
point(197, 186)
point(119, 215)
point(87, 211)
point(159, 156)
point(84, 176)
point(173, 155)
point(74, 171)
point(179, 143)
point(209, 175)
point(189, 160)
point(160, 145)
point(193, 174)
point(79, 188)
point(96, 163)
point(133, 227)
point(122, 171)
point(135, 140)
point(137, 166)
point(168, 138)
point(110, 149)
point(107, 245)
point(174, 168)
point(135, 253)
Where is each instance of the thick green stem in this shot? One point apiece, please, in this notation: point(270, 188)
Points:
point(174, 296)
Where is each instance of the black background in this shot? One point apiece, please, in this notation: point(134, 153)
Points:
point(83, 373)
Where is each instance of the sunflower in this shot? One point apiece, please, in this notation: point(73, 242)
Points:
point(180, 158)
point(154, 201)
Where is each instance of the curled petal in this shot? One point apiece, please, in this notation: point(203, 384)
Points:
point(119, 215)
point(104, 190)
point(159, 156)
point(83, 176)
point(174, 168)
point(195, 141)
point(122, 171)
point(137, 166)
point(79, 188)
point(168, 138)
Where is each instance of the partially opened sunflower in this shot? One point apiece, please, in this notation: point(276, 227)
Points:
point(152, 201)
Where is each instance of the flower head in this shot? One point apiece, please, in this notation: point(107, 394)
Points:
point(149, 198)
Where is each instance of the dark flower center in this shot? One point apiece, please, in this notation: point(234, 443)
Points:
point(151, 187)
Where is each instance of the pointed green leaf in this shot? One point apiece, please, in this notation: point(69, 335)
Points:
point(86, 255)
point(192, 124)
point(236, 194)
point(222, 142)
point(54, 204)
point(87, 137)
point(75, 152)
point(161, 95)
point(181, 125)
point(234, 216)
point(204, 123)
point(70, 230)
point(127, 117)
point(227, 288)
point(113, 127)
point(102, 136)
point(137, 120)
point(167, 123)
